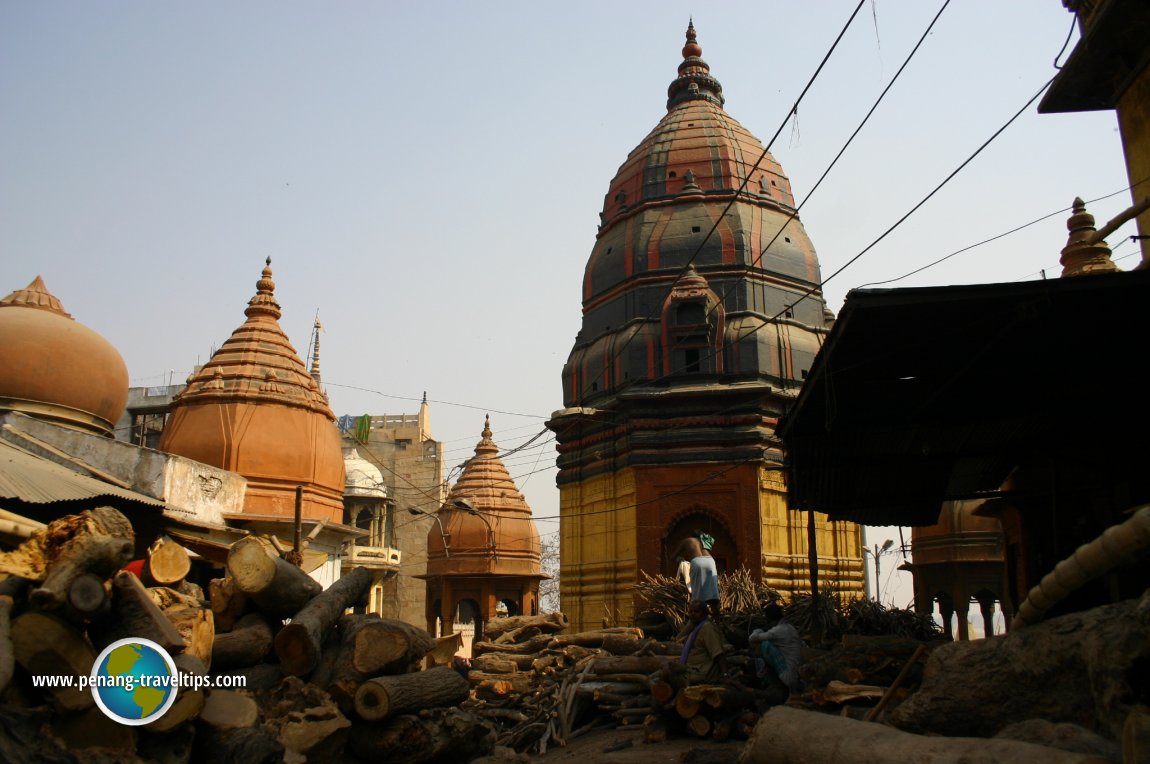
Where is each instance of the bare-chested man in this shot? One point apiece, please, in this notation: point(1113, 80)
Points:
point(704, 574)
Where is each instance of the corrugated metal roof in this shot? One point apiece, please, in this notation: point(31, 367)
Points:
point(27, 479)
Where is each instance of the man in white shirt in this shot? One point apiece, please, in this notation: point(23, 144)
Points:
point(779, 650)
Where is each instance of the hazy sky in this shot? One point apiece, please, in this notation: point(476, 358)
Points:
point(428, 177)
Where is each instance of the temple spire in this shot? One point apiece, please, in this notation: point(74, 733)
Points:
point(694, 81)
point(264, 302)
point(1084, 252)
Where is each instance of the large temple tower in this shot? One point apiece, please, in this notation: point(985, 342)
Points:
point(701, 315)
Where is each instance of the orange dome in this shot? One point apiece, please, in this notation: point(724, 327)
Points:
point(55, 367)
point(959, 536)
point(499, 536)
point(254, 409)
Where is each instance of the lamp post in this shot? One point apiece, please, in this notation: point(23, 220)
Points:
point(466, 506)
point(877, 554)
point(442, 533)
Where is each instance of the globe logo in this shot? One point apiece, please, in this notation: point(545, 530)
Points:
point(134, 681)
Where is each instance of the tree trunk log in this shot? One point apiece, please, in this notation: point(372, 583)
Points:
point(229, 604)
point(628, 664)
point(167, 562)
point(248, 643)
point(1073, 668)
point(391, 695)
point(594, 638)
point(46, 645)
point(497, 663)
point(446, 734)
point(299, 643)
point(699, 725)
point(388, 646)
point(189, 699)
point(135, 614)
point(98, 540)
point(787, 735)
point(530, 647)
point(227, 709)
point(195, 624)
point(548, 624)
point(277, 587)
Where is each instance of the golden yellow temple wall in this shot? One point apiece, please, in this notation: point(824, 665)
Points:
point(598, 560)
point(785, 554)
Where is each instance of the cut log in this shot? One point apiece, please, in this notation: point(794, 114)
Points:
point(841, 692)
point(522, 634)
point(228, 602)
point(388, 646)
point(336, 670)
point(499, 686)
point(550, 623)
point(229, 709)
point(135, 614)
point(391, 695)
point(277, 587)
point(195, 624)
point(99, 555)
point(654, 730)
point(719, 696)
point(1067, 669)
point(787, 735)
point(96, 540)
point(248, 643)
point(699, 726)
point(168, 562)
point(497, 663)
point(299, 643)
point(303, 718)
point(442, 734)
point(594, 638)
point(530, 647)
point(624, 644)
point(45, 645)
point(88, 598)
point(190, 698)
point(628, 664)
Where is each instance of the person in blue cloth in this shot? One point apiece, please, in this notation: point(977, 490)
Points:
point(696, 548)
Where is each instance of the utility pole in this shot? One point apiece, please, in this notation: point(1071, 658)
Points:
point(877, 554)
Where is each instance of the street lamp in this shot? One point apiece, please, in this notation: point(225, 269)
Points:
point(466, 506)
point(877, 555)
point(442, 533)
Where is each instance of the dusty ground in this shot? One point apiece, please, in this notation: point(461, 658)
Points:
point(611, 746)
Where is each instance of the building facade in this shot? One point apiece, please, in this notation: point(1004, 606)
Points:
point(410, 463)
point(701, 315)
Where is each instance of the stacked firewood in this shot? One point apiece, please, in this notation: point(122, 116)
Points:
point(544, 687)
point(312, 680)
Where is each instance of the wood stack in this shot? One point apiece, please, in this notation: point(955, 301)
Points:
point(319, 682)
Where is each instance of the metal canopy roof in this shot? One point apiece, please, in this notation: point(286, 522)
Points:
point(27, 481)
point(928, 394)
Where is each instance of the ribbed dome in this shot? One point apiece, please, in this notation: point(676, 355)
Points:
point(698, 170)
point(254, 409)
point(55, 367)
point(362, 477)
point(507, 543)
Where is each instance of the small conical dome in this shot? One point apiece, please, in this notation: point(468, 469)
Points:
point(254, 409)
point(53, 367)
point(1083, 255)
point(499, 537)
